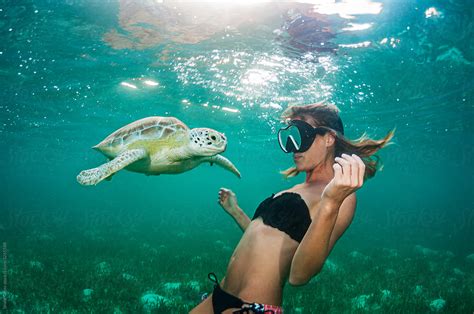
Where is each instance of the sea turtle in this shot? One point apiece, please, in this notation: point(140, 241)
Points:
point(157, 145)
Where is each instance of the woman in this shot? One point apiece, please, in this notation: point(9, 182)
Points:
point(292, 233)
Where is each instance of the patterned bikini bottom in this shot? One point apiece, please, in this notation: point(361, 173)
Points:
point(222, 300)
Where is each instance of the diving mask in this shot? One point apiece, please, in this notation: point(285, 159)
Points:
point(298, 136)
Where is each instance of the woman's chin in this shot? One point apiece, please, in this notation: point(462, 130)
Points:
point(299, 167)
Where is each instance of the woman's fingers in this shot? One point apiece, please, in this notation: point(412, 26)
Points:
point(219, 198)
point(346, 170)
point(337, 172)
point(354, 170)
point(223, 195)
point(348, 177)
point(361, 164)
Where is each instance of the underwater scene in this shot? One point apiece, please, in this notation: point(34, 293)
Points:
point(75, 71)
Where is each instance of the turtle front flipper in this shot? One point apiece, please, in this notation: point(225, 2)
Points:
point(95, 175)
point(224, 163)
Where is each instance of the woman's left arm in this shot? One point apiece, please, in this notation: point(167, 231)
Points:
point(333, 216)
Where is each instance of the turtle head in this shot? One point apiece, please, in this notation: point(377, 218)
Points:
point(207, 142)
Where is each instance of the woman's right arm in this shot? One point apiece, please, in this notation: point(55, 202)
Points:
point(241, 219)
point(228, 201)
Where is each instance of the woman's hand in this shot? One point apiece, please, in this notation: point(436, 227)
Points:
point(228, 201)
point(348, 177)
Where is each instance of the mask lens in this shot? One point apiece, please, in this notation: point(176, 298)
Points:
point(290, 139)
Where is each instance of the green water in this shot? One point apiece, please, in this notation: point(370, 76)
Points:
point(62, 69)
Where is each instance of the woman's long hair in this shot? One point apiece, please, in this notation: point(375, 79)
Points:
point(327, 115)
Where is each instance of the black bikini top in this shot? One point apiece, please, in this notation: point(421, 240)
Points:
point(287, 212)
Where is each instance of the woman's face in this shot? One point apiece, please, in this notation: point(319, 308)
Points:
point(317, 153)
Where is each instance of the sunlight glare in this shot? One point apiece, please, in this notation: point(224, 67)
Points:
point(128, 85)
point(347, 8)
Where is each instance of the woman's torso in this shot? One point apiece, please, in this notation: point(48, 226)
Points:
point(261, 262)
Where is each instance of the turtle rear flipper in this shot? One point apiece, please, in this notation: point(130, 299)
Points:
point(95, 175)
point(224, 163)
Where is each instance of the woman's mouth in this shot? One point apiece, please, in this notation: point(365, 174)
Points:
point(295, 158)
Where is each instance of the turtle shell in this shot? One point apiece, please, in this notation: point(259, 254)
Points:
point(151, 128)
